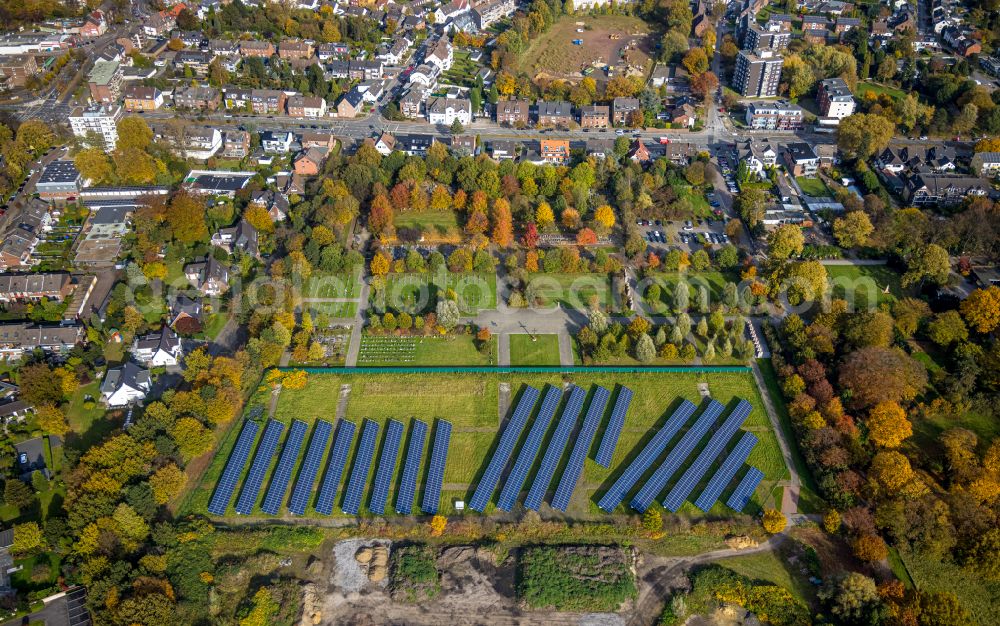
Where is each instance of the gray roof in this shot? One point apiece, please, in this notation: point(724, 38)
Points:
point(128, 375)
point(59, 172)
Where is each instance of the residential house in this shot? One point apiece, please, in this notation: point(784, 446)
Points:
point(846, 24)
point(162, 349)
point(757, 155)
point(463, 145)
point(815, 36)
point(140, 98)
point(197, 98)
point(414, 145)
point(923, 158)
point(261, 49)
point(441, 55)
point(317, 139)
point(235, 144)
point(485, 14)
point(638, 152)
point(680, 153)
point(944, 190)
point(778, 115)
point(183, 307)
point(513, 113)
point(125, 385)
point(94, 25)
point(19, 241)
point(33, 287)
point(210, 276)
point(309, 162)
point(556, 113)
point(19, 338)
point(365, 70)
point(385, 144)
point(59, 181)
point(450, 11)
point(411, 103)
point(554, 151)
point(201, 142)
point(596, 116)
point(425, 74)
point(105, 82)
point(332, 51)
point(447, 110)
point(621, 108)
point(224, 47)
point(683, 114)
point(267, 101)
point(306, 106)
point(290, 49)
point(158, 24)
point(800, 159)
point(276, 141)
point(502, 149)
point(242, 237)
point(834, 99)
point(351, 103)
point(274, 202)
point(396, 53)
point(986, 163)
point(197, 60)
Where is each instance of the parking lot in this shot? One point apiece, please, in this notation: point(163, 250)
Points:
point(687, 235)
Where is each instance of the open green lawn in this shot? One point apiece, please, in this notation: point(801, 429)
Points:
point(877, 89)
point(431, 351)
point(865, 282)
point(773, 567)
point(433, 225)
point(573, 291)
point(470, 402)
point(534, 349)
point(978, 595)
point(324, 285)
point(715, 282)
point(813, 187)
point(88, 426)
point(418, 293)
point(697, 199)
point(332, 309)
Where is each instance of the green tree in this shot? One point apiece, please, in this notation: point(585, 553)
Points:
point(930, 262)
point(93, 164)
point(133, 132)
point(862, 135)
point(645, 350)
point(785, 242)
point(17, 494)
point(27, 539)
point(947, 328)
point(852, 230)
point(186, 217)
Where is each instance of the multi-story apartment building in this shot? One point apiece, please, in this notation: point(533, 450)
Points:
point(97, 119)
point(290, 49)
point(251, 48)
point(774, 116)
point(487, 13)
point(621, 108)
point(596, 116)
point(554, 150)
point(306, 106)
point(267, 101)
point(235, 144)
point(447, 110)
point(758, 73)
point(105, 82)
point(16, 70)
point(140, 98)
point(513, 112)
point(197, 98)
point(558, 113)
point(770, 36)
point(834, 98)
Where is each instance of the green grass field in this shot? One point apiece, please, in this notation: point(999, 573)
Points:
point(978, 595)
point(544, 350)
point(433, 351)
point(417, 293)
point(877, 89)
point(433, 225)
point(813, 187)
point(332, 309)
point(573, 291)
point(471, 403)
point(715, 282)
point(865, 282)
point(322, 285)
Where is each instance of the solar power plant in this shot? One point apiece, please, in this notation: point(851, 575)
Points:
point(335, 467)
point(283, 473)
point(734, 461)
point(362, 463)
point(614, 429)
point(386, 466)
point(525, 458)
point(234, 467)
point(310, 467)
point(488, 483)
point(435, 473)
point(647, 457)
point(414, 452)
point(556, 447)
point(261, 460)
point(738, 501)
point(675, 457)
point(571, 474)
point(716, 444)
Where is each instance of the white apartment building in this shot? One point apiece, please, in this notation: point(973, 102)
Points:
point(447, 110)
point(99, 119)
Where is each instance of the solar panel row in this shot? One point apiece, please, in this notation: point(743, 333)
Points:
point(359, 473)
point(526, 457)
point(614, 428)
point(234, 467)
point(488, 482)
point(310, 467)
point(386, 466)
point(675, 457)
point(716, 444)
point(286, 464)
point(261, 460)
point(411, 466)
point(739, 499)
point(335, 467)
point(624, 483)
point(734, 461)
point(556, 447)
point(435, 473)
point(571, 475)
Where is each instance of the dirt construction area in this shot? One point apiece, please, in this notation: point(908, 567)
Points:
point(619, 41)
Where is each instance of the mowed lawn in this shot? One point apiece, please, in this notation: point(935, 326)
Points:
point(324, 285)
point(418, 293)
point(431, 351)
point(573, 291)
point(812, 187)
point(472, 402)
point(865, 283)
point(534, 349)
point(434, 226)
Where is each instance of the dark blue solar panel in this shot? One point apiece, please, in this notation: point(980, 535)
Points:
point(286, 464)
point(556, 447)
point(414, 453)
point(261, 461)
point(614, 429)
point(234, 467)
point(362, 463)
point(647, 457)
point(310, 467)
point(512, 488)
point(435, 473)
point(716, 444)
point(710, 495)
point(744, 491)
point(571, 475)
point(335, 467)
point(676, 457)
point(386, 466)
point(488, 483)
